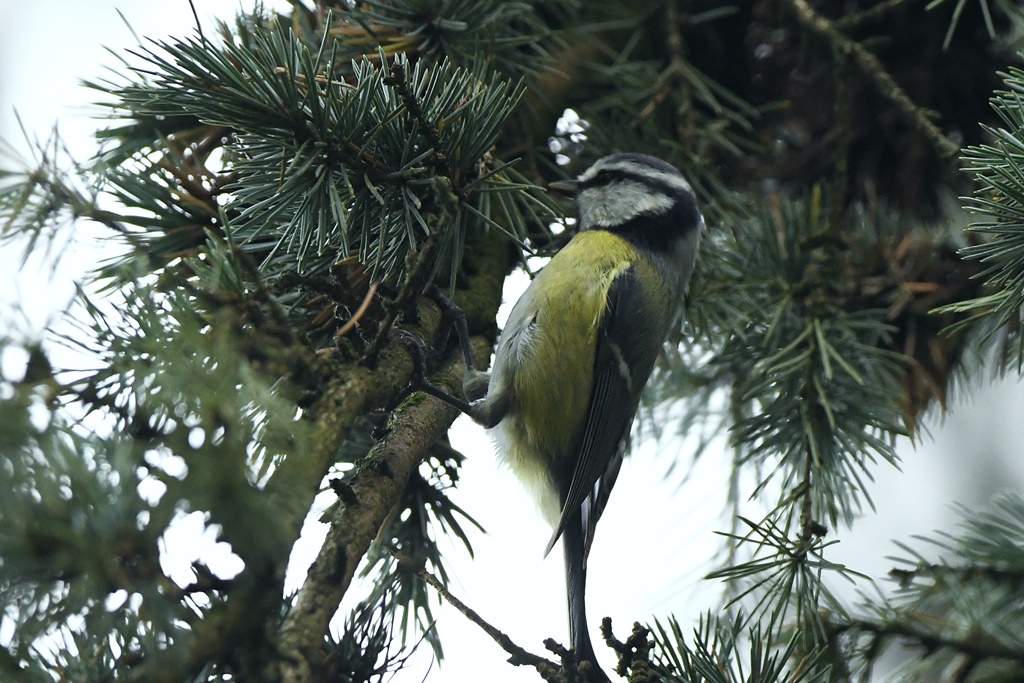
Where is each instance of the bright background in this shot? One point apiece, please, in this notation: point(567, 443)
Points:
point(46, 49)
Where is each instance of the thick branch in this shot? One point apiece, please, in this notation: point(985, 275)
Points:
point(376, 489)
point(350, 392)
point(383, 474)
point(353, 389)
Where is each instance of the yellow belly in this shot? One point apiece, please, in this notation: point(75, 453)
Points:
point(552, 369)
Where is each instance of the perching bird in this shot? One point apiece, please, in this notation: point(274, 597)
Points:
point(580, 345)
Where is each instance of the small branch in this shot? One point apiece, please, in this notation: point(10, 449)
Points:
point(190, 179)
point(876, 73)
point(634, 654)
point(674, 39)
point(676, 84)
point(804, 491)
point(843, 140)
point(212, 139)
point(399, 81)
point(871, 14)
point(411, 288)
point(371, 293)
point(963, 573)
point(676, 89)
point(284, 329)
point(420, 269)
point(810, 529)
point(985, 646)
point(520, 657)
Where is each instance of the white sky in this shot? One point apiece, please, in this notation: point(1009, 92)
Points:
point(508, 583)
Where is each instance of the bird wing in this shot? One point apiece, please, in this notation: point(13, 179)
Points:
point(623, 361)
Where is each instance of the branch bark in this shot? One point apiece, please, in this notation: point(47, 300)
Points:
point(382, 475)
point(377, 486)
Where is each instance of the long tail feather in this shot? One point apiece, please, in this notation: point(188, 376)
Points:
point(576, 584)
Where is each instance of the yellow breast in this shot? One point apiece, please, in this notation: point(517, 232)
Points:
point(550, 357)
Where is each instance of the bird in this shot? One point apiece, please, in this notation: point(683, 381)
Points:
point(578, 348)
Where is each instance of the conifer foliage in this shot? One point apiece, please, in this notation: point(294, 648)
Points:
point(286, 194)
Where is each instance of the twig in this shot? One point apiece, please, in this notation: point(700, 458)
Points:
point(674, 44)
point(871, 14)
point(843, 140)
point(682, 89)
point(398, 80)
point(520, 657)
point(876, 73)
point(411, 288)
point(964, 573)
point(360, 312)
point(634, 654)
point(984, 646)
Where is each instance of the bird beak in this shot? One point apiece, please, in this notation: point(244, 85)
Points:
point(569, 185)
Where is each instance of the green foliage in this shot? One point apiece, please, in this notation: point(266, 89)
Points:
point(364, 652)
point(716, 655)
point(998, 169)
point(984, 7)
point(813, 390)
point(650, 96)
point(41, 196)
point(964, 609)
point(77, 540)
point(517, 36)
point(175, 409)
point(230, 434)
point(815, 385)
point(409, 541)
point(238, 169)
point(326, 158)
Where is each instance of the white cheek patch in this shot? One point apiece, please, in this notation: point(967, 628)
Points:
point(620, 202)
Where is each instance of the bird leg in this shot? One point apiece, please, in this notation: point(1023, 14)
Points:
point(486, 409)
point(474, 382)
point(419, 381)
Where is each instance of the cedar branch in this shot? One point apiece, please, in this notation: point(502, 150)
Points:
point(877, 74)
point(376, 488)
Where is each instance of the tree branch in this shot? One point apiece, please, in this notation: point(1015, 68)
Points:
point(383, 473)
point(520, 656)
point(980, 647)
point(870, 14)
point(876, 73)
point(376, 487)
